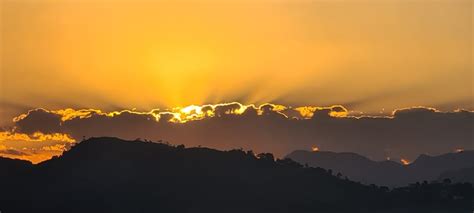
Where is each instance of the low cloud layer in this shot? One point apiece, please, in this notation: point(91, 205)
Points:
point(405, 133)
point(35, 147)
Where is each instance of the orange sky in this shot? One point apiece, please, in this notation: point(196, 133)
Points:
point(368, 55)
point(147, 54)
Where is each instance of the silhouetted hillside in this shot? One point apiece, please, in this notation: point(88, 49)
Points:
point(113, 175)
point(387, 173)
point(12, 167)
point(460, 175)
point(354, 166)
point(430, 167)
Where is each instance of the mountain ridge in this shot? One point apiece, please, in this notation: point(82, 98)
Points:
point(114, 175)
point(388, 173)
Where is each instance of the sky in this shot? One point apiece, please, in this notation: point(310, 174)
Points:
point(372, 57)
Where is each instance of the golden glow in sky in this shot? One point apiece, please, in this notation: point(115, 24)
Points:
point(110, 55)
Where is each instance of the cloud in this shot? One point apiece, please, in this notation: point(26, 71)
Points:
point(414, 112)
point(225, 109)
point(35, 137)
point(312, 111)
point(36, 147)
point(267, 128)
point(38, 120)
point(9, 151)
point(56, 147)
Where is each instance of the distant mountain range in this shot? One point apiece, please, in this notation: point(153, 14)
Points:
point(390, 173)
point(113, 175)
point(461, 175)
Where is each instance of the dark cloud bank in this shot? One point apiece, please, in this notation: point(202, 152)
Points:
point(407, 133)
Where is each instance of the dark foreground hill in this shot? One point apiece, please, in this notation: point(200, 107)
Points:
point(112, 175)
point(10, 167)
point(387, 173)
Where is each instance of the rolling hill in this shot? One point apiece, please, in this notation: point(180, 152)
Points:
point(388, 173)
point(114, 175)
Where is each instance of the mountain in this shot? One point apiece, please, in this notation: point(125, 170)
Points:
point(389, 173)
point(460, 175)
point(428, 167)
point(13, 167)
point(114, 175)
point(354, 166)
